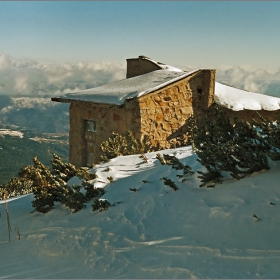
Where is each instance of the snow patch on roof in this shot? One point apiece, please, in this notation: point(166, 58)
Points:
point(163, 66)
point(117, 92)
point(237, 99)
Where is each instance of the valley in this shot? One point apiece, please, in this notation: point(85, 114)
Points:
point(31, 127)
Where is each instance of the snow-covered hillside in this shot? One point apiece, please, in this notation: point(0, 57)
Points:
point(152, 231)
point(10, 132)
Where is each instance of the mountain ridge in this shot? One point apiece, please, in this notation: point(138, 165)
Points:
point(31, 126)
point(25, 112)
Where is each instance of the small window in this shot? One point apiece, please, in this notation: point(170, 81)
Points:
point(199, 90)
point(90, 126)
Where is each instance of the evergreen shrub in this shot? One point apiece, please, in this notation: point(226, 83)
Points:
point(100, 205)
point(240, 148)
point(50, 185)
point(121, 145)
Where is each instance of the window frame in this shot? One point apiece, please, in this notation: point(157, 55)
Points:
point(90, 126)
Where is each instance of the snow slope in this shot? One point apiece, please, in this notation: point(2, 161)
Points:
point(154, 232)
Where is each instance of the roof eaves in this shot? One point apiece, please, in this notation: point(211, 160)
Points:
point(59, 99)
point(70, 100)
point(64, 99)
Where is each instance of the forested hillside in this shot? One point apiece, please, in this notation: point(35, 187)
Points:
point(16, 152)
point(31, 127)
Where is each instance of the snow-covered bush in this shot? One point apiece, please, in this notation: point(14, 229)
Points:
point(270, 133)
point(100, 205)
point(170, 183)
point(66, 171)
point(237, 148)
point(175, 163)
point(50, 185)
point(91, 191)
point(57, 189)
point(121, 145)
point(15, 187)
point(46, 187)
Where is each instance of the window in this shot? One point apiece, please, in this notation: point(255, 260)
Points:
point(199, 90)
point(90, 126)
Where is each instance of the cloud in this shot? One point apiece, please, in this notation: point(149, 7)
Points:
point(5, 62)
point(34, 78)
point(259, 80)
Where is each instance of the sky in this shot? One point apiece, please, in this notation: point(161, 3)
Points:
point(186, 34)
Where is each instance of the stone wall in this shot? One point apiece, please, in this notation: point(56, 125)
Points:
point(164, 113)
point(203, 88)
point(84, 146)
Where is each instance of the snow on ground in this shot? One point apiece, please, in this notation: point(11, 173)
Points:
point(237, 99)
point(49, 140)
point(154, 232)
point(10, 132)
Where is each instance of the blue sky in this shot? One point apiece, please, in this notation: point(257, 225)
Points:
point(49, 48)
point(196, 34)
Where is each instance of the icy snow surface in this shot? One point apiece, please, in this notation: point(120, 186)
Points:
point(236, 99)
point(117, 92)
point(154, 232)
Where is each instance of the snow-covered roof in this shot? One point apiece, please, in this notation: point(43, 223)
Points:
point(162, 65)
point(237, 100)
point(117, 92)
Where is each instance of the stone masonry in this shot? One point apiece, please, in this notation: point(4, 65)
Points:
point(84, 146)
point(161, 115)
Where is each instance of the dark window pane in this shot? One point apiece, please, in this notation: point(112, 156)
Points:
point(90, 126)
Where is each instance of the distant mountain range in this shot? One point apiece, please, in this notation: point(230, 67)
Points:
point(38, 114)
point(31, 127)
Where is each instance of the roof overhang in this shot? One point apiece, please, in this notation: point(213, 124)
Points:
point(117, 92)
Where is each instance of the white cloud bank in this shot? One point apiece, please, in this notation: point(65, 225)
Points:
point(30, 77)
point(33, 78)
point(260, 81)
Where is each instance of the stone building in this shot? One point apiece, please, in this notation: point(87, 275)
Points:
point(154, 100)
